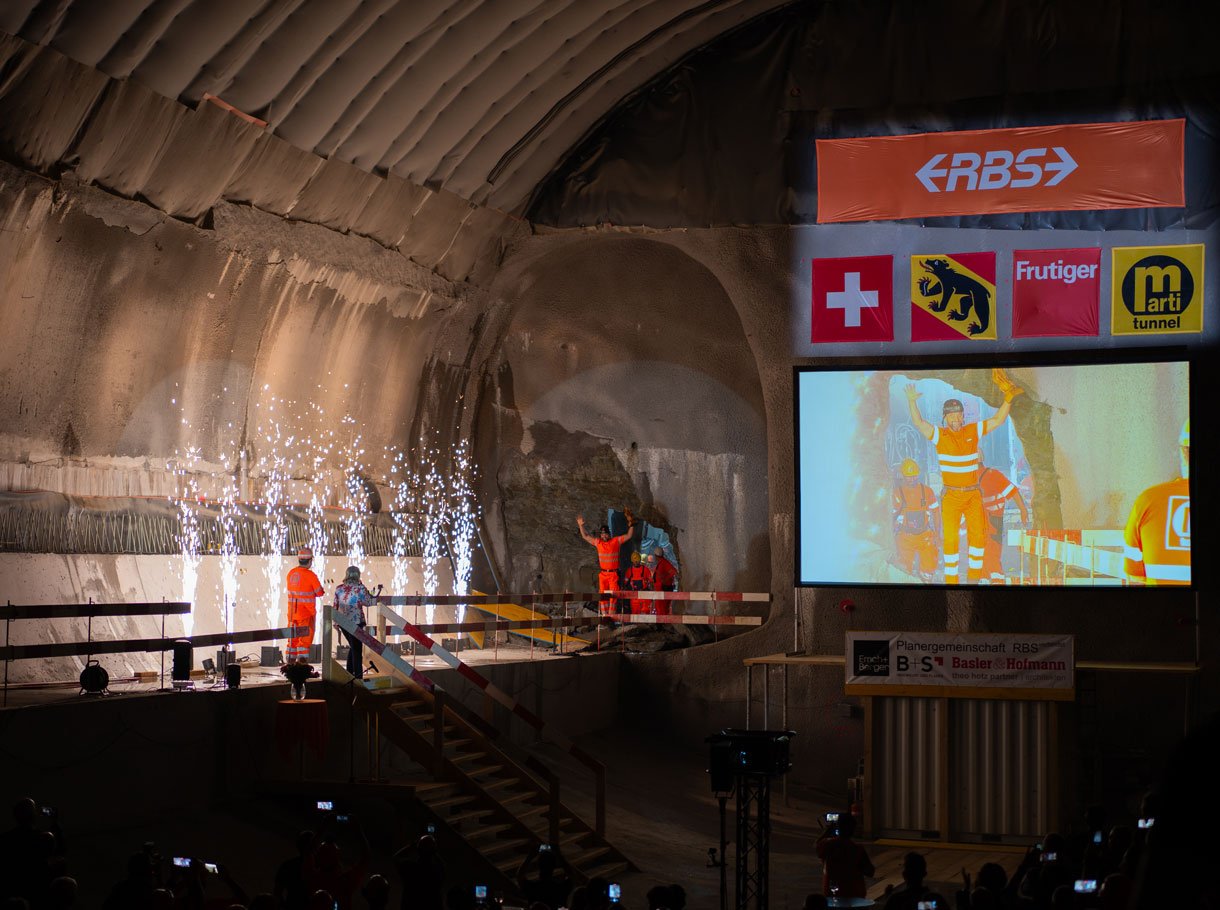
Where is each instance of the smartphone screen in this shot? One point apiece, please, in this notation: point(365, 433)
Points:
point(1085, 885)
point(1146, 822)
point(616, 892)
point(182, 862)
point(480, 892)
point(1097, 837)
point(211, 867)
point(325, 805)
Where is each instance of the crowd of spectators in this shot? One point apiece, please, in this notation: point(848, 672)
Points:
point(326, 872)
point(1093, 870)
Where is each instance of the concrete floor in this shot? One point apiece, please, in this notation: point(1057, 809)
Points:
point(662, 814)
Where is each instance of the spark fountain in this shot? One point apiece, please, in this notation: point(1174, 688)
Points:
point(302, 455)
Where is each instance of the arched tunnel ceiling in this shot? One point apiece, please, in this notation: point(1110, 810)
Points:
point(482, 98)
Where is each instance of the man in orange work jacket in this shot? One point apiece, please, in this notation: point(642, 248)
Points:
point(997, 492)
point(916, 523)
point(303, 591)
point(957, 451)
point(1156, 542)
point(664, 578)
point(607, 556)
point(638, 577)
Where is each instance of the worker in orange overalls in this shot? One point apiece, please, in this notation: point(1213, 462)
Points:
point(957, 452)
point(303, 591)
point(607, 556)
point(916, 523)
point(664, 578)
point(638, 578)
point(997, 492)
point(1156, 542)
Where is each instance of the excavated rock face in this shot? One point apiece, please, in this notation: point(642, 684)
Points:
point(623, 379)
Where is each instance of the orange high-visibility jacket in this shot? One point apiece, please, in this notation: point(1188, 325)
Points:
point(958, 454)
point(914, 506)
point(1157, 538)
point(607, 551)
point(303, 589)
point(997, 490)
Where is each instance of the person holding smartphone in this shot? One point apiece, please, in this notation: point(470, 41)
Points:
point(423, 875)
point(845, 864)
point(553, 883)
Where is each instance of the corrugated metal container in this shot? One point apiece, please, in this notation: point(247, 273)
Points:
point(980, 767)
point(906, 756)
point(999, 769)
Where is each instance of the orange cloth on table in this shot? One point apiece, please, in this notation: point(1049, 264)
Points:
point(957, 453)
point(303, 722)
point(915, 508)
point(303, 590)
point(997, 490)
point(638, 578)
point(1156, 541)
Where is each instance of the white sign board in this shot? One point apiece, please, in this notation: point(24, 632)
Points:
point(961, 665)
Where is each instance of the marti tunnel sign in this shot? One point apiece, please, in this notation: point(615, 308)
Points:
point(1025, 169)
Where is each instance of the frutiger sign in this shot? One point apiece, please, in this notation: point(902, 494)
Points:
point(1023, 169)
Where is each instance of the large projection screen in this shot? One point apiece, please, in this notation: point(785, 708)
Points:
point(1081, 480)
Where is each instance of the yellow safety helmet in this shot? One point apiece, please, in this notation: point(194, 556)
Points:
point(1184, 437)
point(909, 468)
point(635, 558)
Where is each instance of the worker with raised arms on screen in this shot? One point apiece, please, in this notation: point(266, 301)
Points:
point(957, 452)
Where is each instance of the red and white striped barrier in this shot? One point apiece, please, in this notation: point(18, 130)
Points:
point(493, 692)
point(412, 600)
point(559, 622)
point(687, 619)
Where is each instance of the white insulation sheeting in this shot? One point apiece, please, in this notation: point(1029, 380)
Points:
point(477, 97)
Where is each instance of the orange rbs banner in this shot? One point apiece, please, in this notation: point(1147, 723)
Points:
point(1026, 169)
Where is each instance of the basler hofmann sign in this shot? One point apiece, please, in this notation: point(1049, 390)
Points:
point(962, 665)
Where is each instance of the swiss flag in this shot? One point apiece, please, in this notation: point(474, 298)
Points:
point(853, 299)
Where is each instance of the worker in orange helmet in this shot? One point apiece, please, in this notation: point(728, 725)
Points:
point(638, 577)
point(916, 523)
point(607, 556)
point(1156, 542)
point(997, 491)
point(957, 452)
point(304, 589)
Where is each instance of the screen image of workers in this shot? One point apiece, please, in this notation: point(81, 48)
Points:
point(1028, 475)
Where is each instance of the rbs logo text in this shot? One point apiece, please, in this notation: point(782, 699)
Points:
point(996, 169)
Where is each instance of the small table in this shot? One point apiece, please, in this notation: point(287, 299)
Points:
point(301, 723)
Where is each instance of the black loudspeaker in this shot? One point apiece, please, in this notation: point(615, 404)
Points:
point(233, 676)
point(754, 752)
point(184, 657)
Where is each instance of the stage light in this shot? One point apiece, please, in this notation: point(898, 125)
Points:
point(271, 656)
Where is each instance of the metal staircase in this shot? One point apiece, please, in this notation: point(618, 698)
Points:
point(501, 808)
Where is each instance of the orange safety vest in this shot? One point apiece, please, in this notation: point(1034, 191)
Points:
point(303, 588)
point(607, 551)
point(997, 490)
point(1157, 538)
point(914, 514)
point(958, 454)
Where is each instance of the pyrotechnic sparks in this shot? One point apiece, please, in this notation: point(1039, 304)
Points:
point(264, 489)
